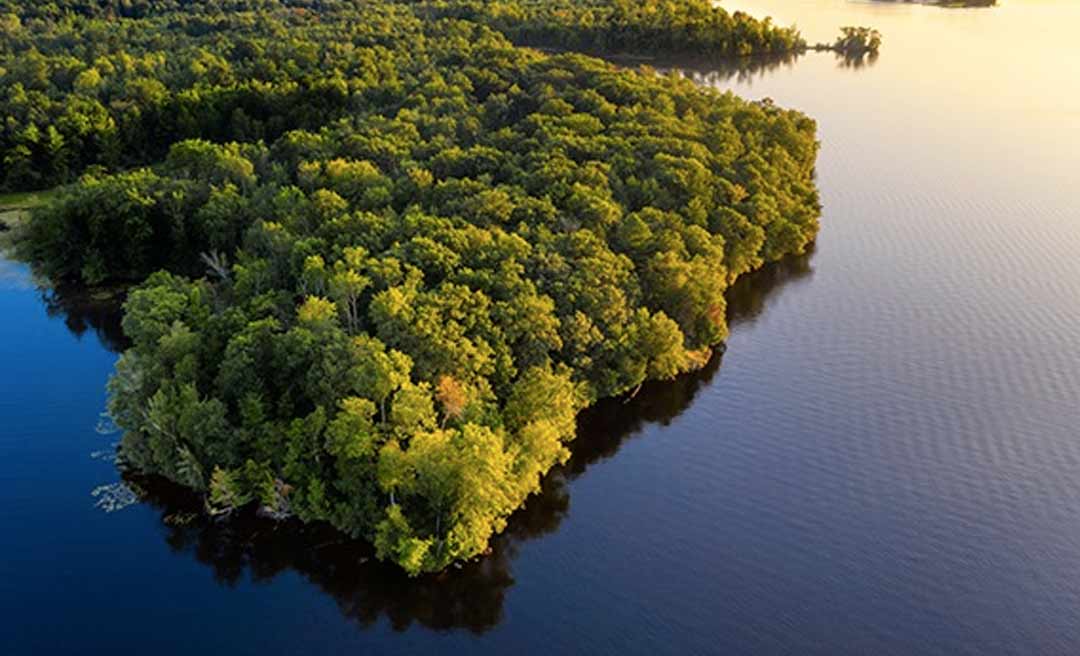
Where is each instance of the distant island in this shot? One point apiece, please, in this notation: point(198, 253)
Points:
point(855, 41)
point(382, 254)
point(956, 4)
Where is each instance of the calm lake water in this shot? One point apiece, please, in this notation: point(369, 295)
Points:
point(886, 461)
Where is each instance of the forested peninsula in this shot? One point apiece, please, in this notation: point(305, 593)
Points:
point(383, 254)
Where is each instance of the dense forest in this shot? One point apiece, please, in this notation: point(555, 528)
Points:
point(385, 254)
point(689, 26)
point(83, 88)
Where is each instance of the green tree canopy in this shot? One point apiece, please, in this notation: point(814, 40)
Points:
point(384, 254)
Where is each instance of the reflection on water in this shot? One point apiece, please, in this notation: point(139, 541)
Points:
point(712, 70)
point(466, 597)
point(749, 296)
point(741, 71)
point(855, 60)
point(83, 310)
point(13, 276)
point(364, 589)
point(744, 71)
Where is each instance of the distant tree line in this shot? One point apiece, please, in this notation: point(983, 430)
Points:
point(957, 4)
point(640, 26)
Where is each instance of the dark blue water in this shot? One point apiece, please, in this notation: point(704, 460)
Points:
point(885, 461)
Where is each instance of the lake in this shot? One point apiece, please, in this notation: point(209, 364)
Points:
point(886, 460)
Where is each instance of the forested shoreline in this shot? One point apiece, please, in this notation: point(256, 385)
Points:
point(386, 254)
point(690, 27)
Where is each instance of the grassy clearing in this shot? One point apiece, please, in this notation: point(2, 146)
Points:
point(15, 209)
point(24, 200)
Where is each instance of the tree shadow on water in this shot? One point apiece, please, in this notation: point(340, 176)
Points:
point(739, 70)
point(83, 310)
point(748, 298)
point(469, 596)
point(856, 60)
point(713, 71)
